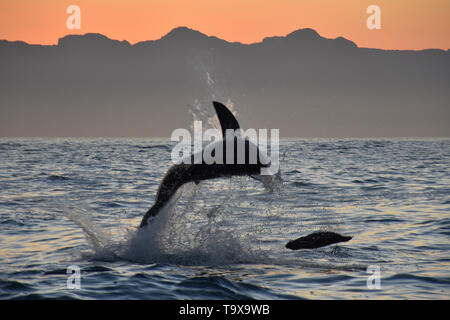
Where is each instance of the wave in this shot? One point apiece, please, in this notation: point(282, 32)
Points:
point(408, 277)
point(163, 147)
point(301, 184)
point(55, 177)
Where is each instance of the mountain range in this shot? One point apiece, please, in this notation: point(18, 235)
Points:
point(302, 83)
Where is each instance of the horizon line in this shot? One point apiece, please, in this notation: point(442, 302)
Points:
point(281, 137)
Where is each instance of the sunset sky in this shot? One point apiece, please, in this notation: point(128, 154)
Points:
point(405, 24)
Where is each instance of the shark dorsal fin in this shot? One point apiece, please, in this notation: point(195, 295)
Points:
point(226, 118)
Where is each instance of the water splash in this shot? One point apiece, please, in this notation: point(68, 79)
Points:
point(101, 241)
point(182, 233)
point(201, 109)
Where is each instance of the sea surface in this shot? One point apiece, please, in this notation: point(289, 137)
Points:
point(75, 204)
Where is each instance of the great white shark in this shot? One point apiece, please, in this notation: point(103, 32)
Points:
point(180, 174)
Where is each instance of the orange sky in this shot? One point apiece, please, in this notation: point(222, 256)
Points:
point(406, 24)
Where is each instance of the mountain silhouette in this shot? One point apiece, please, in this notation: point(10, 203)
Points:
point(302, 83)
point(93, 41)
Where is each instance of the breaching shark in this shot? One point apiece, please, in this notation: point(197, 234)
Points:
point(189, 171)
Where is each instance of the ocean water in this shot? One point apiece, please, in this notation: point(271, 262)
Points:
point(77, 202)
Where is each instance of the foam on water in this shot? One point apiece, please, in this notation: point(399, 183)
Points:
point(180, 234)
point(101, 241)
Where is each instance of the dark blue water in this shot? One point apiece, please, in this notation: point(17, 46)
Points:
point(78, 202)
